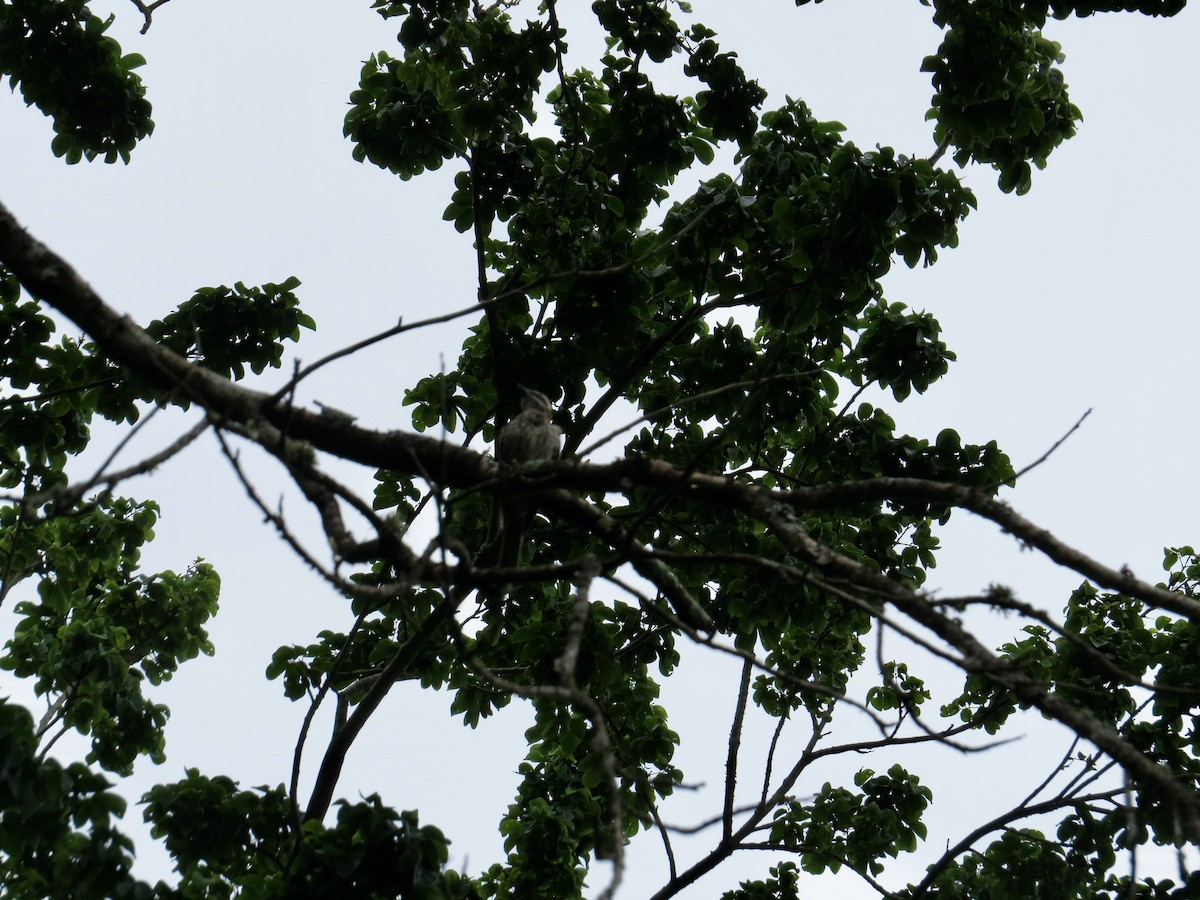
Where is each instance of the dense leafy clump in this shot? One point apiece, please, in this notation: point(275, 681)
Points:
point(57, 54)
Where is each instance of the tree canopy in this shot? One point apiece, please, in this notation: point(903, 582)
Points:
point(695, 279)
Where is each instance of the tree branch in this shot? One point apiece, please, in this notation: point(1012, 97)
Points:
point(735, 743)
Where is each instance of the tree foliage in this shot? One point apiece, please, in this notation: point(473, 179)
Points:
point(764, 511)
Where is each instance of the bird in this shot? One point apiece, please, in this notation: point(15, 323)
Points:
point(529, 436)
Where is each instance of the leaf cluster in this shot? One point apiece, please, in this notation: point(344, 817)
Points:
point(844, 827)
point(229, 842)
point(227, 329)
point(998, 91)
point(98, 628)
point(57, 823)
point(57, 53)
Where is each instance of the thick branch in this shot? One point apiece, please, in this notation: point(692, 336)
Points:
point(980, 503)
point(51, 279)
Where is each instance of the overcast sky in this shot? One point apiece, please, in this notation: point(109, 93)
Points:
point(1079, 296)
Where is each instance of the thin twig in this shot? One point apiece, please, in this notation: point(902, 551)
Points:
point(147, 10)
point(941, 148)
point(1045, 456)
point(772, 749)
point(379, 594)
point(72, 494)
point(19, 399)
point(718, 819)
point(310, 714)
point(398, 328)
point(735, 743)
point(663, 832)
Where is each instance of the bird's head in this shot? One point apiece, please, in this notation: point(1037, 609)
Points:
point(534, 400)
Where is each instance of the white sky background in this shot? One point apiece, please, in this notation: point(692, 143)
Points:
point(1079, 295)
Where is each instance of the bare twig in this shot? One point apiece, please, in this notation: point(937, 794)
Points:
point(323, 690)
point(69, 495)
point(19, 399)
point(769, 764)
point(353, 589)
point(54, 714)
point(1045, 456)
point(664, 833)
point(147, 10)
point(941, 148)
point(398, 328)
point(735, 743)
point(309, 716)
point(718, 819)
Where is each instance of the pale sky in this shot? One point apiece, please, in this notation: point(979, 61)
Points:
point(1078, 296)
